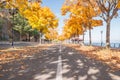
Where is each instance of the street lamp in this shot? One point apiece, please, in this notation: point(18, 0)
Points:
point(101, 37)
point(12, 13)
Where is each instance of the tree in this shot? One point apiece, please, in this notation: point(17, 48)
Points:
point(109, 10)
point(1, 21)
point(22, 26)
point(19, 25)
point(52, 34)
point(6, 25)
point(84, 12)
point(30, 32)
point(73, 27)
point(40, 18)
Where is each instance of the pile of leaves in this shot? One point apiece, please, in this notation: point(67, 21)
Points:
point(109, 56)
point(7, 56)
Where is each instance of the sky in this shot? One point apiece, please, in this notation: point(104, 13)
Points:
point(55, 6)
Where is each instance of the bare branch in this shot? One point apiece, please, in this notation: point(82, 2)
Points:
point(103, 17)
point(114, 13)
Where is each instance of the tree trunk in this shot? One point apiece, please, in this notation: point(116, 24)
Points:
point(20, 37)
point(83, 37)
point(29, 36)
point(26, 38)
point(108, 34)
point(40, 40)
point(90, 41)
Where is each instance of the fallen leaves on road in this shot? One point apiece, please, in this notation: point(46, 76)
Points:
point(0, 67)
point(1, 75)
point(9, 55)
point(108, 56)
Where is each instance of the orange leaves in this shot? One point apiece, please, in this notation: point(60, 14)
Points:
point(55, 23)
point(72, 27)
point(34, 6)
point(108, 56)
point(118, 5)
point(81, 15)
point(8, 56)
point(0, 67)
point(22, 4)
point(52, 34)
point(64, 9)
point(38, 17)
point(97, 22)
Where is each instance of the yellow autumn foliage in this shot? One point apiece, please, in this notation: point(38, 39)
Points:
point(52, 34)
point(38, 17)
point(81, 16)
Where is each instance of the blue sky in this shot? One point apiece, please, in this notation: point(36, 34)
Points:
point(55, 6)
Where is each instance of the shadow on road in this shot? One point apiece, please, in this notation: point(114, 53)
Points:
point(79, 67)
point(41, 66)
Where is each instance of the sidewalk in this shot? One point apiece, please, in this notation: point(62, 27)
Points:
point(6, 45)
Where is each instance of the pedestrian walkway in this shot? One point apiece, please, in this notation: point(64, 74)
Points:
point(57, 63)
point(5, 45)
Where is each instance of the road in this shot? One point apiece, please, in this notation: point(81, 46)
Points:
point(57, 63)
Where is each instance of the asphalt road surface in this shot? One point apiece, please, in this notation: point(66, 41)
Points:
point(57, 63)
